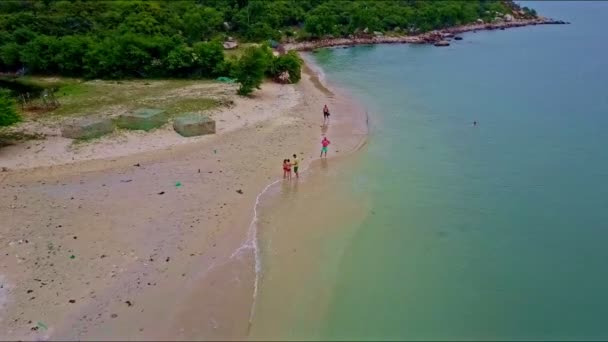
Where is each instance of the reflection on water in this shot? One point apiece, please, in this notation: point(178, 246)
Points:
point(324, 164)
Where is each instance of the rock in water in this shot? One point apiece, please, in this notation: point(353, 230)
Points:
point(142, 119)
point(87, 128)
point(442, 43)
point(458, 38)
point(189, 125)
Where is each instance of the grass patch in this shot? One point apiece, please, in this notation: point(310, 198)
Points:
point(78, 97)
point(190, 105)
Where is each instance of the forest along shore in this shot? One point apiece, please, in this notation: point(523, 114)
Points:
point(431, 37)
point(81, 262)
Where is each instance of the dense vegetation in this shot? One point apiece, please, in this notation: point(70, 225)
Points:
point(148, 38)
point(8, 112)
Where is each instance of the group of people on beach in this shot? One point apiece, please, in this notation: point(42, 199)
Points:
point(288, 164)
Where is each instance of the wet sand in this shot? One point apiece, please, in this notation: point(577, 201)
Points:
point(118, 249)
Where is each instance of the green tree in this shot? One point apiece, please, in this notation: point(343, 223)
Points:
point(180, 60)
point(10, 54)
point(209, 57)
point(289, 62)
point(8, 111)
point(251, 68)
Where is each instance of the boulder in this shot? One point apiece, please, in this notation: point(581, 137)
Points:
point(378, 34)
point(190, 125)
point(442, 43)
point(142, 119)
point(87, 128)
point(230, 45)
point(283, 77)
point(479, 21)
point(447, 35)
point(508, 18)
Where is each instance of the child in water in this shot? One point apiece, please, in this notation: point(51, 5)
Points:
point(286, 169)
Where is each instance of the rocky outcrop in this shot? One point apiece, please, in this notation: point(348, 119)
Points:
point(142, 119)
point(424, 38)
point(229, 45)
point(283, 78)
point(87, 128)
point(190, 125)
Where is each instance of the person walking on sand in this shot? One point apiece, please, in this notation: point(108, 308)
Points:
point(324, 143)
point(296, 165)
point(325, 114)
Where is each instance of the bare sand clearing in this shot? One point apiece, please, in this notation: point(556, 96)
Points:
point(154, 244)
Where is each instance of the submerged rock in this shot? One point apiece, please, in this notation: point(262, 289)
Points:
point(442, 43)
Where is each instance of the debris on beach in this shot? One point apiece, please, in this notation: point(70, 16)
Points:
point(178, 184)
point(161, 193)
point(129, 303)
point(126, 180)
point(240, 191)
point(137, 165)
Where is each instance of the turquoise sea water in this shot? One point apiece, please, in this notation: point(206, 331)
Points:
point(498, 231)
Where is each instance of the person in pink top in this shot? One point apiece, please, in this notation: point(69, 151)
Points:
point(324, 143)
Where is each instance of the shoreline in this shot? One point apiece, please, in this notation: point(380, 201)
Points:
point(85, 208)
point(431, 37)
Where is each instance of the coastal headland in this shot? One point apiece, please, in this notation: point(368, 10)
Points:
point(431, 37)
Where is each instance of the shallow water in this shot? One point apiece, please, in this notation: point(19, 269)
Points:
point(494, 231)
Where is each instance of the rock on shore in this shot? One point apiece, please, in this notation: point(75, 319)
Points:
point(431, 37)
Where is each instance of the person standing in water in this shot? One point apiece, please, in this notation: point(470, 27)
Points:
point(286, 169)
point(324, 143)
point(296, 165)
point(325, 114)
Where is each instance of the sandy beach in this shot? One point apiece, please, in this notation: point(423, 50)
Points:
point(149, 236)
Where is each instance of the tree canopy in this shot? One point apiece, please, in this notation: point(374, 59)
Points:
point(179, 38)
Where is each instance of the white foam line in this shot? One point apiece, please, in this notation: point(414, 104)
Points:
point(252, 241)
point(252, 238)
